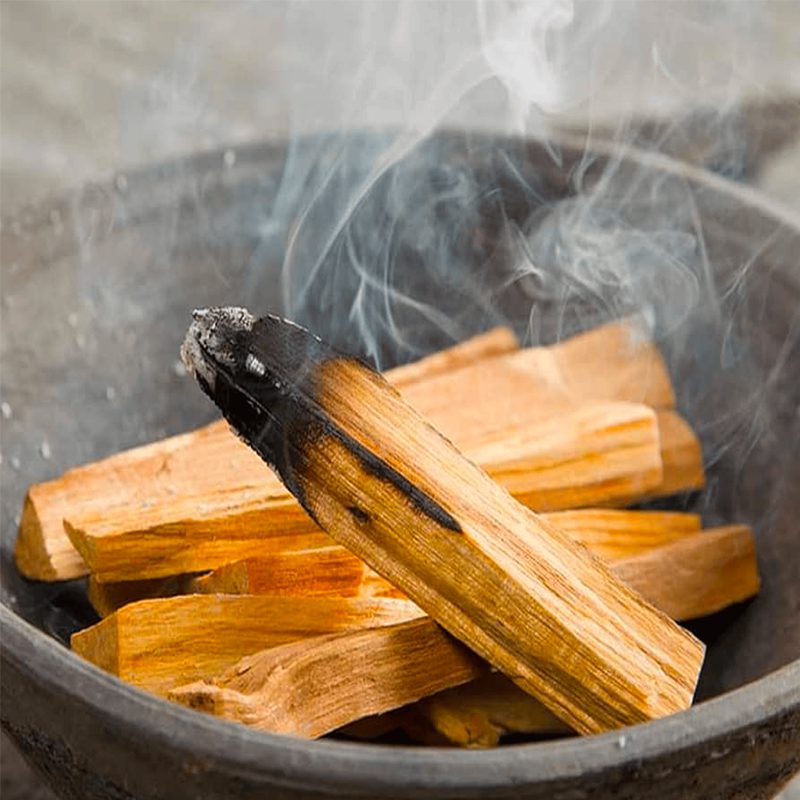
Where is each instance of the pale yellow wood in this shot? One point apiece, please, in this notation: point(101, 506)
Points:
point(159, 644)
point(312, 687)
point(681, 455)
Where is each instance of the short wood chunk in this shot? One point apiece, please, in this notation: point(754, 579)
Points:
point(479, 714)
point(312, 687)
point(386, 485)
point(159, 644)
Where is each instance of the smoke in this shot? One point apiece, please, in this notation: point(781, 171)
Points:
point(388, 181)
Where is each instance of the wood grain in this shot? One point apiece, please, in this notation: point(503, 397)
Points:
point(312, 687)
point(159, 644)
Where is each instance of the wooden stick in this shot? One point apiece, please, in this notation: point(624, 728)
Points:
point(495, 342)
point(479, 714)
point(292, 569)
point(602, 453)
point(159, 644)
point(146, 476)
point(312, 687)
point(697, 575)
point(388, 487)
point(614, 534)
point(163, 478)
point(686, 577)
point(681, 456)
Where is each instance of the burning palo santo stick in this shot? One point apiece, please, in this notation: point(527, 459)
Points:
point(159, 644)
point(386, 485)
point(312, 687)
point(277, 689)
point(594, 453)
point(163, 478)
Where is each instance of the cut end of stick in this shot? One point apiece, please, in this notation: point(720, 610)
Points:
point(39, 556)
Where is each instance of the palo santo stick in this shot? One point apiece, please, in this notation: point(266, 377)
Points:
point(159, 644)
point(326, 572)
point(392, 490)
point(696, 575)
point(690, 576)
point(681, 456)
point(165, 475)
point(312, 687)
point(613, 362)
point(613, 534)
point(333, 571)
point(595, 454)
point(148, 475)
point(495, 342)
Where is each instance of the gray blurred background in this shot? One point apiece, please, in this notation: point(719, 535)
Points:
point(90, 90)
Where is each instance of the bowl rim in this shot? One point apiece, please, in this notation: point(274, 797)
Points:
point(301, 763)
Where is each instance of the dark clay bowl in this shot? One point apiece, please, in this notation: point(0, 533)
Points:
point(97, 289)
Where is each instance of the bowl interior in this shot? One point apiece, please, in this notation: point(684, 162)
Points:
point(467, 231)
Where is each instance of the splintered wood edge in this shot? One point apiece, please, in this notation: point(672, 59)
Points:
point(312, 687)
